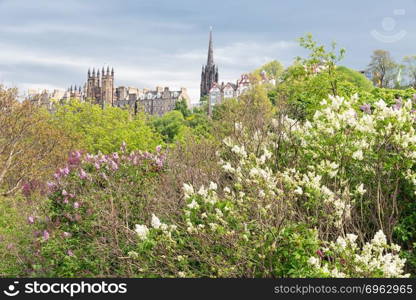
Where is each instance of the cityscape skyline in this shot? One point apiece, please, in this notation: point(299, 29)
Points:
point(49, 44)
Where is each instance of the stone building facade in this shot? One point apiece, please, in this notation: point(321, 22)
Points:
point(99, 89)
point(153, 102)
point(219, 92)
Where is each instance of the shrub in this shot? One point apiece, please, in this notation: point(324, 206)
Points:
point(237, 231)
point(344, 258)
point(93, 202)
point(356, 160)
point(244, 205)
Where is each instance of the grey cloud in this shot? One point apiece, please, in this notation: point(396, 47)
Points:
point(159, 42)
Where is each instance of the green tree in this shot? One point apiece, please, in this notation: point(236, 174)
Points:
point(383, 67)
point(322, 61)
point(171, 126)
point(410, 69)
point(182, 106)
point(273, 69)
point(105, 129)
point(311, 79)
point(31, 147)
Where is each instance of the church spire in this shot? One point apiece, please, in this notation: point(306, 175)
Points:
point(209, 74)
point(210, 60)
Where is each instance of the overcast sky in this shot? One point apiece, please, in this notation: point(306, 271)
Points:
point(52, 43)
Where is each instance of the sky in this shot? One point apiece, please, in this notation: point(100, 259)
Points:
point(50, 44)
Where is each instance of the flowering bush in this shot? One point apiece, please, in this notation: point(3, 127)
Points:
point(221, 237)
point(287, 194)
point(355, 161)
point(93, 201)
point(327, 189)
point(344, 258)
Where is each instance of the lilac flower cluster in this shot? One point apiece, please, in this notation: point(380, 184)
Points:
point(104, 163)
point(88, 168)
point(366, 108)
point(29, 187)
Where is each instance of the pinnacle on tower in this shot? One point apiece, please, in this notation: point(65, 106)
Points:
point(89, 72)
point(93, 72)
point(108, 70)
point(112, 71)
point(102, 71)
point(210, 60)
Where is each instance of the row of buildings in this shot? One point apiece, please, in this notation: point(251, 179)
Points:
point(100, 88)
point(216, 92)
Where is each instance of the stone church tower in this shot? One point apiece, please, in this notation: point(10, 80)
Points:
point(209, 74)
point(107, 87)
point(93, 85)
point(100, 89)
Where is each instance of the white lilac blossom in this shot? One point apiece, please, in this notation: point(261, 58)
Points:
point(181, 274)
point(379, 238)
point(228, 168)
point(358, 155)
point(351, 238)
point(239, 150)
point(238, 126)
point(188, 190)
point(314, 261)
point(360, 189)
point(341, 242)
point(372, 257)
point(193, 204)
point(213, 186)
point(299, 190)
point(142, 231)
point(155, 222)
point(203, 191)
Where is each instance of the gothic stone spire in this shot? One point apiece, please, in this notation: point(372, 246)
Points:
point(209, 74)
point(210, 60)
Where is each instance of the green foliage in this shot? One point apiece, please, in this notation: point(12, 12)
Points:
point(176, 125)
point(405, 234)
point(200, 124)
point(171, 126)
point(358, 80)
point(105, 129)
point(183, 108)
point(273, 69)
point(15, 235)
point(309, 80)
point(388, 95)
point(296, 245)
